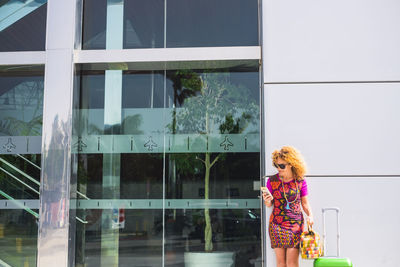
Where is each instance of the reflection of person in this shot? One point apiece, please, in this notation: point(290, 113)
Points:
point(289, 194)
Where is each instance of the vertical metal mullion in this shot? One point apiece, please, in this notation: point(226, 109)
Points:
point(74, 157)
point(164, 119)
point(54, 230)
point(152, 90)
point(165, 23)
point(164, 164)
point(263, 156)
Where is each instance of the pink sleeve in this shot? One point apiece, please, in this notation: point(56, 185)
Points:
point(304, 190)
point(269, 186)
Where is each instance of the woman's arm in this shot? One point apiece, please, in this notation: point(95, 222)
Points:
point(307, 209)
point(267, 199)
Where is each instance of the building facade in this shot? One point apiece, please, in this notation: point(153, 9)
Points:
point(136, 133)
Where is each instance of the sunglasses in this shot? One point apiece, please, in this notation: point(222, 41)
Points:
point(280, 166)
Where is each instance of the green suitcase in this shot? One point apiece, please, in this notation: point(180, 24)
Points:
point(332, 261)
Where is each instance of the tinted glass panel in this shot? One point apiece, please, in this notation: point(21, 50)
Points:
point(23, 25)
point(137, 243)
point(94, 24)
point(143, 89)
point(213, 115)
point(236, 233)
point(92, 97)
point(21, 101)
point(188, 23)
point(212, 23)
point(21, 109)
point(166, 163)
point(144, 24)
point(141, 175)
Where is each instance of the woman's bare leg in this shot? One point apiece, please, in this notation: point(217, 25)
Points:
point(292, 257)
point(280, 254)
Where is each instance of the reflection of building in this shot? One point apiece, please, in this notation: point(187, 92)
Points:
point(148, 113)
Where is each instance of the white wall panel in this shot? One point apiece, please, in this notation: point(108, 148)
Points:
point(368, 218)
point(342, 40)
point(342, 129)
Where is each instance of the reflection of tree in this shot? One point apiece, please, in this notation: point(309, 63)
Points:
point(216, 105)
point(186, 83)
point(28, 94)
point(15, 127)
point(129, 125)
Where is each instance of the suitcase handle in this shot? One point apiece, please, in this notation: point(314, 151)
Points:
point(338, 229)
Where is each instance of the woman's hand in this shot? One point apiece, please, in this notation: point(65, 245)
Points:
point(310, 220)
point(267, 199)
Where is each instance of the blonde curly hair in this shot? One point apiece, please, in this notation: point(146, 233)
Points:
point(292, 156)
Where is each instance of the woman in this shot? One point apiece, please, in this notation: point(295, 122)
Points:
point(289, 194)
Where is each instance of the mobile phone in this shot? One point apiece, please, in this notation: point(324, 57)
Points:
point(264, 189)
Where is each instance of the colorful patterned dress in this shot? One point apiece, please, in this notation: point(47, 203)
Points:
point(286, 222)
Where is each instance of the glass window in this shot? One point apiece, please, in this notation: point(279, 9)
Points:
point(140, 22)
point(188, 23)
point(144, 24)
point(170, 170)
point(214, 120)
point(94, 24)
point(23, 25)
point(21, 109)
point(212, 23)
point(143, 89)
point(93, 96)
point(21, 101)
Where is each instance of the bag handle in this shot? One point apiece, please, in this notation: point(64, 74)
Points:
point(310, 230)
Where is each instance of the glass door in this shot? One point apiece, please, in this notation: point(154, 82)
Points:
point(166, 166)
point(21, 111)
